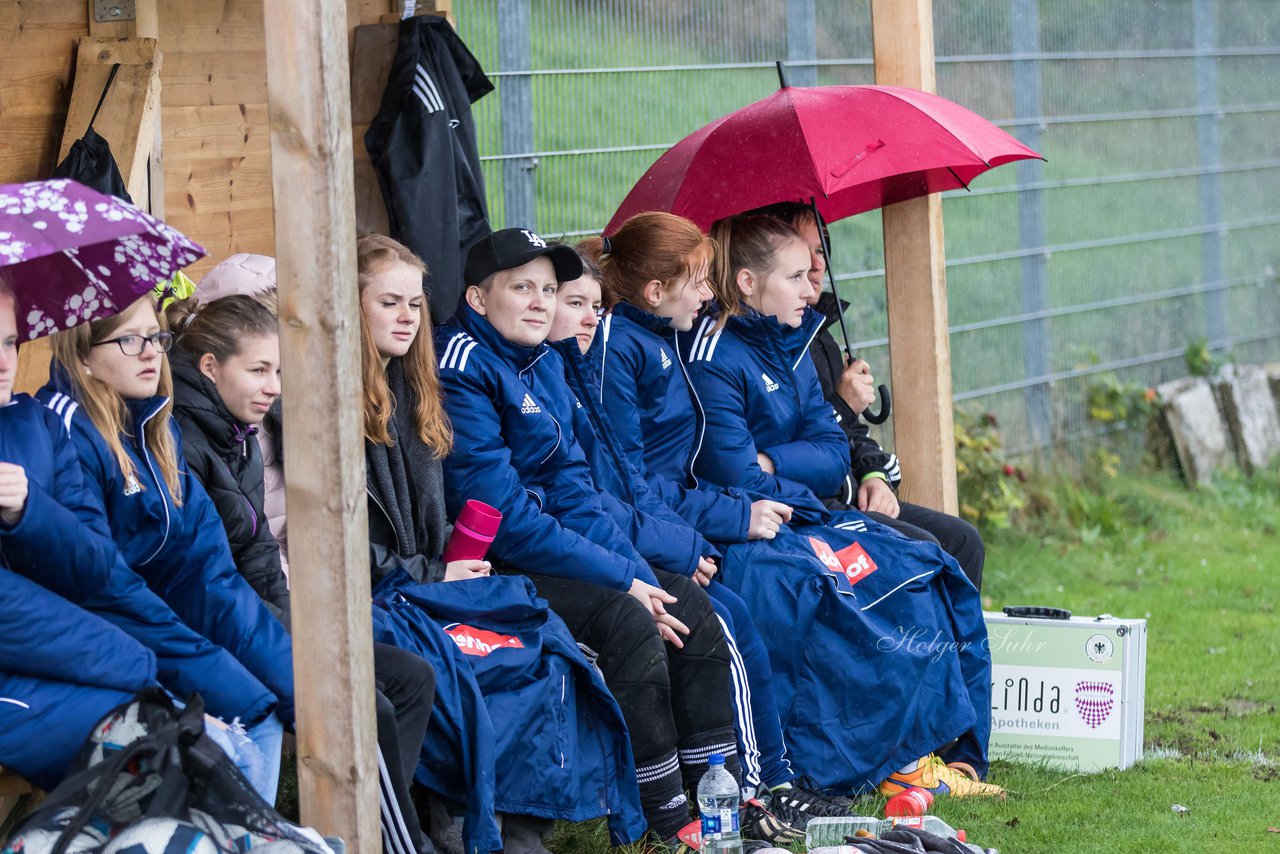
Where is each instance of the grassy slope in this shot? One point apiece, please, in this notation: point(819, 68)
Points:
point(1212, 683)
point(1204, 569)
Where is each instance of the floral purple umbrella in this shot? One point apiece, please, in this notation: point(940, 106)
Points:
point(71, 254)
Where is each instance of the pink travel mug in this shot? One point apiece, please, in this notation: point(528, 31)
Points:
point(473, 531)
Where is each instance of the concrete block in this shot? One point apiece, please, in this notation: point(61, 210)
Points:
point(1200, 435)
point(1244, 392)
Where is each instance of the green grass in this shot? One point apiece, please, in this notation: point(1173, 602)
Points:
point(1203, 568)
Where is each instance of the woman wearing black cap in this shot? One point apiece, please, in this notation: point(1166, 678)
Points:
point(660, 646)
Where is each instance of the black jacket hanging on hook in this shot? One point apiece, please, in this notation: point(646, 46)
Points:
point(89, 161)
point(423, 147)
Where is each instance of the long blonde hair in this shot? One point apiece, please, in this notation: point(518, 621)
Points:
point(106, 408)
point(374, 254)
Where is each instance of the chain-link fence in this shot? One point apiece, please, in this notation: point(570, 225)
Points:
point(1154, 224)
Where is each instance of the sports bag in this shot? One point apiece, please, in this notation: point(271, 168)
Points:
point(149, 780)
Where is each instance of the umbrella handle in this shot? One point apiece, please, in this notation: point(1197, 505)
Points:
point(886, 406)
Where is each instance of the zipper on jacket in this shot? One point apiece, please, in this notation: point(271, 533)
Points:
point(253, 514)
point(394, 532)
point(702, 415)
point(146, 455)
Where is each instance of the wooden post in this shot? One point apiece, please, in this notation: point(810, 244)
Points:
point(916, 281)
point(308, 88)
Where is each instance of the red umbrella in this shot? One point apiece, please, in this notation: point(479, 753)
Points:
point(851, 148)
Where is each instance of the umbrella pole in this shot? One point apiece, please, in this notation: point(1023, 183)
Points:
point(831, 276)
point(886, 402)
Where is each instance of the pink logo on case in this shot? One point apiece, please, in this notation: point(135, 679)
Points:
point(1094, 702)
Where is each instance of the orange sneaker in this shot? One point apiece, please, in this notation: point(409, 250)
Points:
point(936, 777)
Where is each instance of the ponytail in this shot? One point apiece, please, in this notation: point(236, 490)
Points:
point(648, 247)
point(744, 242)
point(218, 327)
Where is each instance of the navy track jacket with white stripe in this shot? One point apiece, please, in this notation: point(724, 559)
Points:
point(181, 551)
point(650, 407)
point(760, 394)
point(514, 451)
point(423, 148)
point(87, 569)
point(663, 538)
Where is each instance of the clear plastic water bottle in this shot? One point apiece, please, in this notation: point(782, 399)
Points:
point(823, 832)
point(718, 805)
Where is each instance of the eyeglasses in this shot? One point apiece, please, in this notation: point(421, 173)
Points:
point(133, 345)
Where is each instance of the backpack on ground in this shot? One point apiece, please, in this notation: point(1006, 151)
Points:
point(149, 780)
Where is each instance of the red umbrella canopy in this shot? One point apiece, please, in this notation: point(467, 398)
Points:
point(853, 148)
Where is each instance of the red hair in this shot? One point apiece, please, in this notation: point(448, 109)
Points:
point(650, 246)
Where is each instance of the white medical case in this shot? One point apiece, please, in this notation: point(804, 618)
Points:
point(1067, 693)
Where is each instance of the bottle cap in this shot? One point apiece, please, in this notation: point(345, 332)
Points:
point(715, 759)
point(912, 802)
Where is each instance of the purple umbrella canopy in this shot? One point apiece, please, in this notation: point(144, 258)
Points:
point(70, 254)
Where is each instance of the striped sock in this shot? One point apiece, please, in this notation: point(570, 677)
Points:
point(665, 804)
point(695, 750)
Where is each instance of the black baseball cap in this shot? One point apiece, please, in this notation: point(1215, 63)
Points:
point(514, 247)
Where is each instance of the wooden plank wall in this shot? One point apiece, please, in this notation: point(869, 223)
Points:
point(217, 158)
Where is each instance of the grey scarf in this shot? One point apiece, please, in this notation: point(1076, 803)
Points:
point(406, 478)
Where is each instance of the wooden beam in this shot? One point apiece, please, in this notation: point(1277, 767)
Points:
point(128, 116)
point(144, 24)
point(129, 121)
point(916, 281)
point(308, 89)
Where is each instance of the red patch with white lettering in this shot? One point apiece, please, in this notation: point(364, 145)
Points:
point(826, 555)
point(856, 562)
point(473, 641)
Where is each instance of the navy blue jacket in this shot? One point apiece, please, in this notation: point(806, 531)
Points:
point(659, 534)
point(645, 395)
point(526, 724)
point(46, 637)
point(86, 568)
point(878, 646)
point(760, 394)
point(180, 551)
point(513, 452)
point(61, 670)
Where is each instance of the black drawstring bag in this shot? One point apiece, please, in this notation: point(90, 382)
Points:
point(149, 775)
point(89, 161)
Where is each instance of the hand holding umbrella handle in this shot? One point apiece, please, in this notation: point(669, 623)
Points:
point(886, 402)
point(886, 407)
